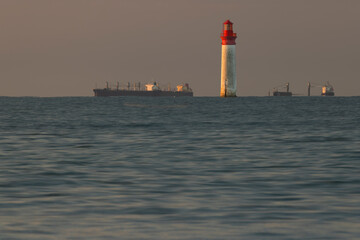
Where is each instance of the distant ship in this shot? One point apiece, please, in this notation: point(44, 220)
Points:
point(151, 90)
point(278, 93)
point(327, 90)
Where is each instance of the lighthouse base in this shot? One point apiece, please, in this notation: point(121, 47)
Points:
point(228, 95)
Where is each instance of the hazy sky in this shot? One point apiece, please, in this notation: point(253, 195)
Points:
point(67, 47)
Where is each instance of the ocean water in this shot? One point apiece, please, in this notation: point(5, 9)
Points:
point(180, 168)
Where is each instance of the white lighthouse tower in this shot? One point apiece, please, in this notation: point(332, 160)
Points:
point(228, 63)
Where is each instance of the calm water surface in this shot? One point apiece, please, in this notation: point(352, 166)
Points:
point(180, 168)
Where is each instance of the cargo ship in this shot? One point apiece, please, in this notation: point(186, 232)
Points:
point(151, 90)
point(326, 90)
point(278, 93)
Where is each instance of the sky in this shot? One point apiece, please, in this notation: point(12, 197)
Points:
point(66, 48)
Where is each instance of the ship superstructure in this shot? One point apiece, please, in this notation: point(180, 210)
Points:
point(327, 90)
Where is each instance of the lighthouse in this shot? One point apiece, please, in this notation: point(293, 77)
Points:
point(228, 63)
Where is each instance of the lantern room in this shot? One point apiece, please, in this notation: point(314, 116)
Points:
point(228, 36)
point(228, 26)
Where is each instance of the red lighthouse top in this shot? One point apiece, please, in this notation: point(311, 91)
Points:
point(228, 36)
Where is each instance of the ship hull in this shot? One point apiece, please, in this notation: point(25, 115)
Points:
point(328, 94)
point(111, 93)
point(282, 94)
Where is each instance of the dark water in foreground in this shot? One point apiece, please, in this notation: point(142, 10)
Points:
point(180, 168)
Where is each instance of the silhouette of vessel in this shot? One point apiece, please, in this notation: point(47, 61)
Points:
point(151, 90)
point(278, 93)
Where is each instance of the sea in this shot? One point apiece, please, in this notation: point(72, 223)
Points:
point(277, 168)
